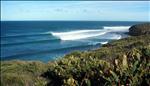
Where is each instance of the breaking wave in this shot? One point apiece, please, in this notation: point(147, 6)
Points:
point(104, 42)
point(80, 34)
point(83, 34)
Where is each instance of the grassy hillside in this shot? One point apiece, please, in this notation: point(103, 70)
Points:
point(21, 73)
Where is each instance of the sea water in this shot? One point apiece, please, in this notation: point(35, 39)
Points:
point(49, 40)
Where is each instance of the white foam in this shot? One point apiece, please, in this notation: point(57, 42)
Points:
point(117, 28)
point(79, 34)
point(115, 36)
point(93, 43)
point(104, 42)
point(83, 34)
point(110, 36)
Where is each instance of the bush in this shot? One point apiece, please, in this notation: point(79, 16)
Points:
point(131, 68)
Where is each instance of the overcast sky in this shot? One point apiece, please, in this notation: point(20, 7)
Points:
point(76, 10)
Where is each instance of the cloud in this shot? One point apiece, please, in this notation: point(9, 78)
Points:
point(58, 10)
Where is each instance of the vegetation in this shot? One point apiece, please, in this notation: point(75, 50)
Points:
point(124, 62)
point(22, 73)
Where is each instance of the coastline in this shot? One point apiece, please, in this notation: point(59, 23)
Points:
point(23, 44)
point(83, 64)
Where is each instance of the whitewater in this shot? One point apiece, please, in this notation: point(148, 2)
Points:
point(83, 34)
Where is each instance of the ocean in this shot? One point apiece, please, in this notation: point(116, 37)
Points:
point(50, 40)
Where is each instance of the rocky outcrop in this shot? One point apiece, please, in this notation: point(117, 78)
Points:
point(139, 29)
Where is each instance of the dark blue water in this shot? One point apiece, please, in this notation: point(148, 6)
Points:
point(48, 40)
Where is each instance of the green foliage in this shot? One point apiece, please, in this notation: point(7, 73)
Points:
point(132, 74)
point(130, 69)
point(146, 51)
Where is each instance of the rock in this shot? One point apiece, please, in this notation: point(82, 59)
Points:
point(139, 29)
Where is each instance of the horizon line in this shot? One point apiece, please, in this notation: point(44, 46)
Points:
point(79, 20)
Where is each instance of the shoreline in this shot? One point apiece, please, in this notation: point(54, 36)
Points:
point(123, 35)
point(92, 46)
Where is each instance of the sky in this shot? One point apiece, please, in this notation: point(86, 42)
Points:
point(75, 10)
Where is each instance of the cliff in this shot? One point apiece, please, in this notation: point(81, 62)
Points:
point(139, 29)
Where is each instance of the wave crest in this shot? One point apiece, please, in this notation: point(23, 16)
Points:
point(80, 34)
point(83, 34)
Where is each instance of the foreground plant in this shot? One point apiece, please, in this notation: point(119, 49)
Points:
point(130, 69)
